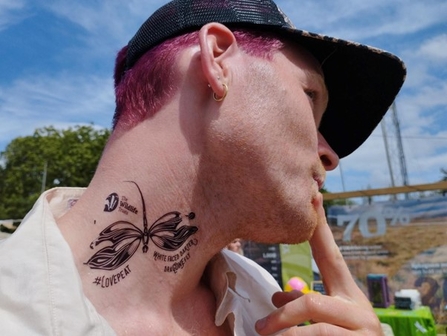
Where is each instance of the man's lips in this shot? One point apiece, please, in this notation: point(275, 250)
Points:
point(320, 181)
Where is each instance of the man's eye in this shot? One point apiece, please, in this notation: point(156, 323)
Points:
point(311, 94)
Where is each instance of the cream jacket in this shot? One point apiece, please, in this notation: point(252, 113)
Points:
point(41, 291)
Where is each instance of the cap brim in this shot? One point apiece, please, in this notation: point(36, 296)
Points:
point(362, 83)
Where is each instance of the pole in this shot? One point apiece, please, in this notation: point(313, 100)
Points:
point(44, 177)
point(385, 140)
point(341, 175)
point(403, 164)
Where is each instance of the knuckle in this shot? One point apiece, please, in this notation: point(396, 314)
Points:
point(313, 303)
point(371, 323)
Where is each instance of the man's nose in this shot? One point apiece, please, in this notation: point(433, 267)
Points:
point(328, 157)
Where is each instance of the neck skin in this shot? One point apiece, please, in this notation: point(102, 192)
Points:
point(164, 165)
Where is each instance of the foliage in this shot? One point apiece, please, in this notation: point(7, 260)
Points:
point(47, 159)
point(6, 229)
point(444, 178)
point(327, 204)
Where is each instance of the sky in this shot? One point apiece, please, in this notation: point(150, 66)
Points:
point(57, 59)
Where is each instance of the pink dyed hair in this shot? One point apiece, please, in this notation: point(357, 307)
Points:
point(142, 90)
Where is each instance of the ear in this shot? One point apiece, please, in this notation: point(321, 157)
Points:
point(217, 45)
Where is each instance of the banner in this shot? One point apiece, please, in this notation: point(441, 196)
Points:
point(282, 261)
point(403, 239)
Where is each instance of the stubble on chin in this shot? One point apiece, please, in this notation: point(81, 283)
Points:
point(288, 226)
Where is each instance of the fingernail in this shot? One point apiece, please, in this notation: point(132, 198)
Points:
point(261, 323)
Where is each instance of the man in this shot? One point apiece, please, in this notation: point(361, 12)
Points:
point(236, 246)
point(227, 118)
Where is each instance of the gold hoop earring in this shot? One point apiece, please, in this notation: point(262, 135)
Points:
point(219, 99)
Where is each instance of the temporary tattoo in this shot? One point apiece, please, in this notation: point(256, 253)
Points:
point(111, 202)
point(126, 207)
point(71, 202)
point(179, 259)
point(109, 281)
point(125, 238)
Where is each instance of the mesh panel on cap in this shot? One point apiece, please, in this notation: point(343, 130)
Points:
point(180, 16)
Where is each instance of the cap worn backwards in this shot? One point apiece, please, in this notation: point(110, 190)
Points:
point(362, 81)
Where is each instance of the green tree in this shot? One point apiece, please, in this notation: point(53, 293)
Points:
point(444, 174)
point(47, 159)
point(444, 178)
point(327, 204)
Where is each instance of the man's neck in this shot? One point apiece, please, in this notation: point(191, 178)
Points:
point(141, 267)
point(142, 234)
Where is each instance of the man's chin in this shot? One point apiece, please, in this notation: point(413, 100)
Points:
point(303, 232)
point(294, 225)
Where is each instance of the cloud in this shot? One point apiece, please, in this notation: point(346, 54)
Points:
point(11, 12)
point(103, 27)
point(435, 48)
point(407, 17)
point(63, 100)
point(362, 20)
point(116, 20)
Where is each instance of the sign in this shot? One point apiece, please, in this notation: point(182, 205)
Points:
point(282, 261)
point(404, 239)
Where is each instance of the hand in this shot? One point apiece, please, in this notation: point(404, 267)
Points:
point(345, 310)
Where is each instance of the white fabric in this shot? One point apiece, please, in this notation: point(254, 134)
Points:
point(245, 293)
point(40, 288)
point(41, 291)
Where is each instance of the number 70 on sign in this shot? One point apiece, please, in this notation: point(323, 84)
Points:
point(363, 219)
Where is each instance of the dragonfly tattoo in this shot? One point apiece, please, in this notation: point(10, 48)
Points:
point(125, 238)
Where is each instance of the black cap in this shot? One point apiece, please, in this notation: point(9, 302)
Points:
point(362, 81)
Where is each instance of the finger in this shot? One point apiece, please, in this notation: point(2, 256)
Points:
point(336, 276)
point(288, 315)
point(323, 329)
point(318, 309)
point(279, 299)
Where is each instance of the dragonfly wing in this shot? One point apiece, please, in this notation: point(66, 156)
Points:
point(171, 240)
point(124, 238)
